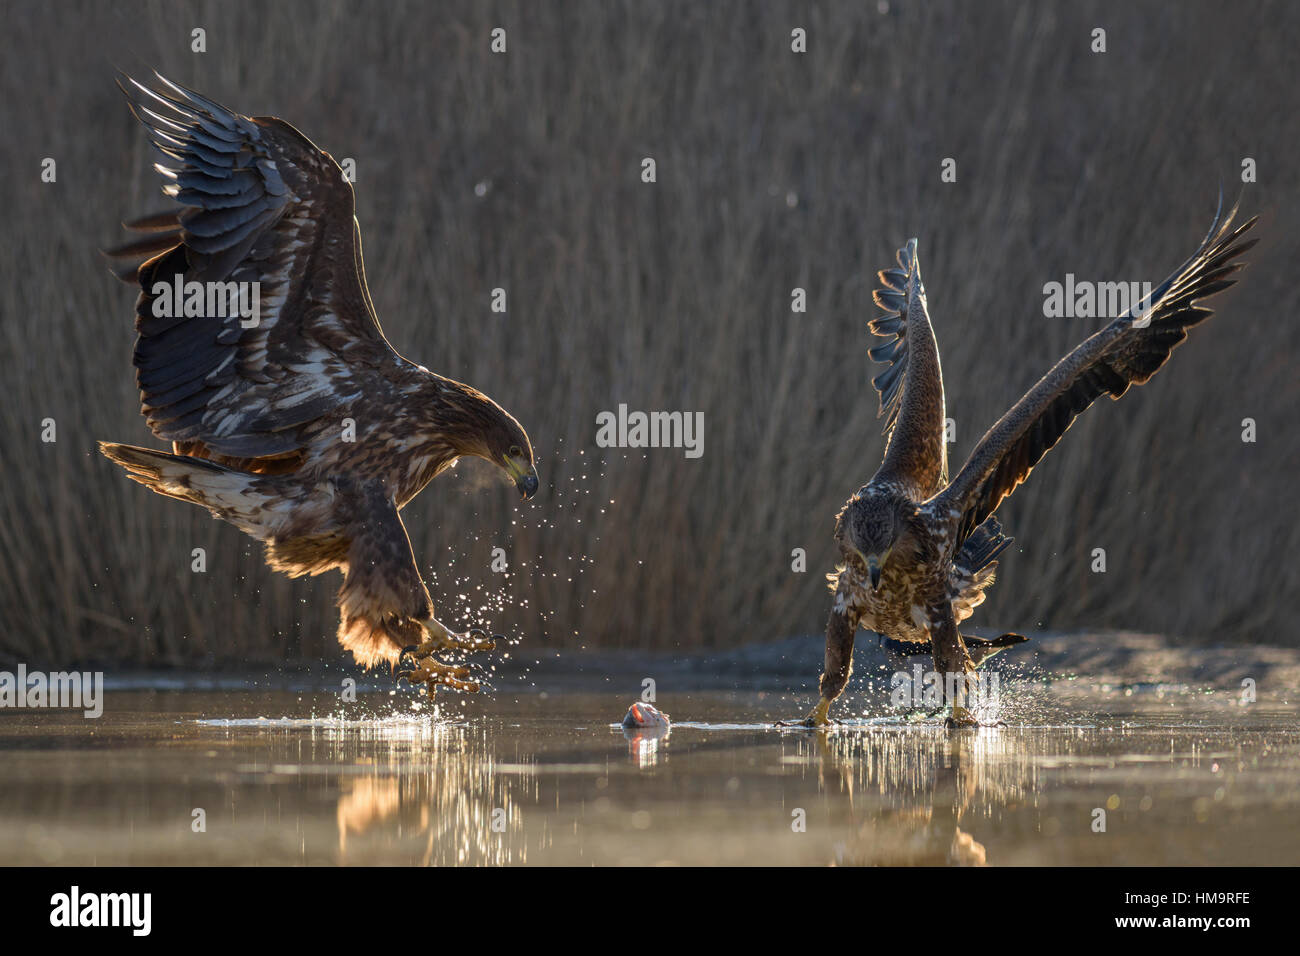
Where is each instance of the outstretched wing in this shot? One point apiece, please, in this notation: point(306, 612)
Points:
point(263, 205)
point(1127, 352)
point(911, 389)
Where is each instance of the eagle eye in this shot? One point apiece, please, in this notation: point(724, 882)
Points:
point(516, 452)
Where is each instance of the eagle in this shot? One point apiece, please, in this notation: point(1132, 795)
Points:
point(919, 550)
point(260, 358)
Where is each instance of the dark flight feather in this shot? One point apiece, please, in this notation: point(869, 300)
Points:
point(1125, 353)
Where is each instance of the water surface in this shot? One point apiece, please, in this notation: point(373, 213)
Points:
point(284, 777)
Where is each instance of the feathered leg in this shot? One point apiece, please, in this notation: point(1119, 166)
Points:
point(953, 662)
point(836, 668)
point(387, 613)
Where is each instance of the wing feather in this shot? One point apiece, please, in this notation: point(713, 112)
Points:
point(259, 203)
point(1127, 352)
point(911, 388)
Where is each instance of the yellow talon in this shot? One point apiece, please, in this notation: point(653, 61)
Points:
point(961, 717)
point(820, 716)
point(418, 665)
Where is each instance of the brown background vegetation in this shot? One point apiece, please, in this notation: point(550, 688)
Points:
point(774, 171)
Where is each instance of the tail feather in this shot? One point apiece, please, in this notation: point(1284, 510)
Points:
point(227, 493)
point(160, 471)
point(981, 649)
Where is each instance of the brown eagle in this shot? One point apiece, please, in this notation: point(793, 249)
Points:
point(917, 549)
point(260, 358)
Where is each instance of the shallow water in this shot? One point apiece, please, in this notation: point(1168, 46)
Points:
point(283, 777)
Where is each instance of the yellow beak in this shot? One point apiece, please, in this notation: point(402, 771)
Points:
point(523, 474)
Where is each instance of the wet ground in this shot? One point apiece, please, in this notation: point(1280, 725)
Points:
point(1184, 775)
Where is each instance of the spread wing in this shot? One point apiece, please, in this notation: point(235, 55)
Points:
point(911, 389)
point(1127, 352)
point(261, 204)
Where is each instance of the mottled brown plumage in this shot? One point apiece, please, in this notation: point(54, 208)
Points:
point(300, 425)
point(919, 551)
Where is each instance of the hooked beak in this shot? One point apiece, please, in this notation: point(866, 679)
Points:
point(873, 567)
point(524, 475)
point(873, 571)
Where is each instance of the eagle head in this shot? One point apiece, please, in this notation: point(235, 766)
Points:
point(867, 529)
point(508, 446)
point(476, 425)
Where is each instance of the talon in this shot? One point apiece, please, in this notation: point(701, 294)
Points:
point(464, 686)
point(432, 673)
point(420, 664)
point(818, 718)
point(961, 718)
point(445, 640)
point(480, 641)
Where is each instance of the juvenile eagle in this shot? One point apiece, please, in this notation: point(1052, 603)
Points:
point(295, 421)
point(917, 549)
